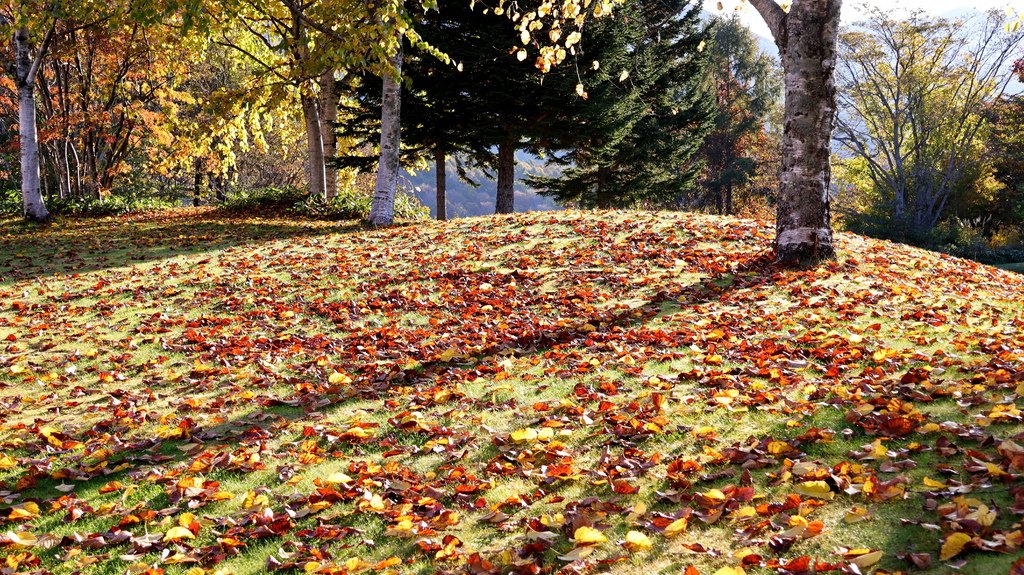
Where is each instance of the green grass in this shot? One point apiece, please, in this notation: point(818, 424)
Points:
point(140, 354)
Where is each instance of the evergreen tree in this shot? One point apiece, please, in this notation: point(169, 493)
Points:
point(634, 138)
point(477, 108)
point(746, 85)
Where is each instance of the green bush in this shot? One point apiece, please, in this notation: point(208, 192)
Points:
point(351, 204)
point(264, 199)
point(112, 205)
point(10, 202)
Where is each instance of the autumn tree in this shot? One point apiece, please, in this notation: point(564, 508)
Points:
point(35, 26)
point(912, 93)
point(108, 96)
point(32, 26)
point(746, 87)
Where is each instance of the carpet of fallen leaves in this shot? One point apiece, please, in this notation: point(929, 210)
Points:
point(614, 392)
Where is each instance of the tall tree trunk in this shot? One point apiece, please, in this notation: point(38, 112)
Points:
point(25, 70)
point(63, 169)
point(382, 212)
point(806, 37)
point(728, 199)
point(505, 203)
point(197, 181)
point(328, 131)
point(442, 190)
point(314, 142)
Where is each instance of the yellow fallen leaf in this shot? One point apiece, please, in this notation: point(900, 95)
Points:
point(953, 546)
point(178, 533)
point(868, 559)
point(524, 435)
point(254, 500)
point(744, 513)
point(929, 482)
point(994, 470)
point(358, 432)
point(338, 378)
point(818, 489)
point(856, 515)
point(7, 462)
point(675, 528)
point(588, 536)
point(730, 571)
point(636, 542)
point(21, 539)
point(715, 495)
point(27, 510)
point(338, 477)
point(355, 564)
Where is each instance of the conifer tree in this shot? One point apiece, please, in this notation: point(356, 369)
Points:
point(746, 86)
point(634, 138)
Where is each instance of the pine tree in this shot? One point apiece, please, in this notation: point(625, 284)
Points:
point(746, 85)
point(634, 138)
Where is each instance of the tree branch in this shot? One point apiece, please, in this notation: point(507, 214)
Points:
point(30, 78)
point(774, 16)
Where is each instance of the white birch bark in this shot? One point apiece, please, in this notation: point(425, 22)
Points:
point(382, 212)
point(26, 68)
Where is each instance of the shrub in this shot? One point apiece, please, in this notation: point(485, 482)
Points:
point(10, 202)
point(112, 205)
point(353, 204)
point(264, 199)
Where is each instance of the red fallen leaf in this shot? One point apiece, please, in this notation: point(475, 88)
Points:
point(111, 487)
point(919, 560)
point(801, 564)
point(623, 487)
point(751, 560)
point(1017, 568)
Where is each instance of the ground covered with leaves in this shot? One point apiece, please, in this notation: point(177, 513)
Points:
point(616, 392)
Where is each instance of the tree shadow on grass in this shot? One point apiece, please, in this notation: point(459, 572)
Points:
point(752, 274)
point(77, 246)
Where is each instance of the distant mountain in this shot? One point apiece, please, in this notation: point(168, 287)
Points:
point(464, 200)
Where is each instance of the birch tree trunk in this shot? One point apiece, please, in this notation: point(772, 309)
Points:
point(25, 71)
point(382, 212)
point(328, 119)
point(442, 177)
point(806, 37)
point(314, 142)
point(505, 202)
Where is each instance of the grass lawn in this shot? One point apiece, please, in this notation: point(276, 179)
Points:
point(608, 392)
point(1019, 267)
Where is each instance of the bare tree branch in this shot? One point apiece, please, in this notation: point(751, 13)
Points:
point(774, 16)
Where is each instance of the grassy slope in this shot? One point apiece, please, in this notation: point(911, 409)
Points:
point(141, 358)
